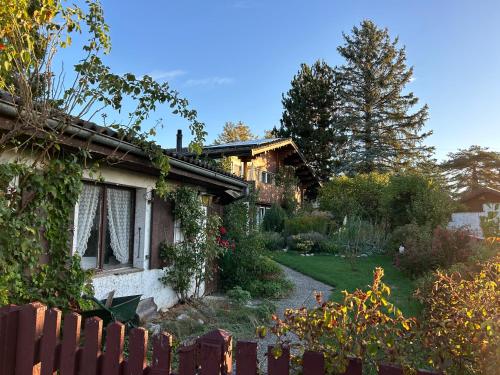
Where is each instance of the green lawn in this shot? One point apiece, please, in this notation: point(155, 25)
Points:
point(337, 272)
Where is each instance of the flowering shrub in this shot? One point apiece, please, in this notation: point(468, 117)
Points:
point(447, 247)
point(461, 321)
point(223, 240)
point(366, 325)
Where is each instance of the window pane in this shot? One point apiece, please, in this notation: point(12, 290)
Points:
point(88, 225)
point(119, 228)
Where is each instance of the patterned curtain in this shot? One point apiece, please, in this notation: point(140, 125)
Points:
point(87, 208)
point(119, 204)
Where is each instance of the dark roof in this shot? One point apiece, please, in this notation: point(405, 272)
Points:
point(478, 191)
point(103, 131)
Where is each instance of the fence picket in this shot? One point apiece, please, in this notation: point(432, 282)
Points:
point(313, 363)
point(246, 358)
point(91, 350)
point(30, 344)
point(280, 365)
point(49, 341)
point(162, 353)
point(187, 360)
point(30, 328)
point(138, 343)
point(113, 356)
point(8, 339)
point(389, 369)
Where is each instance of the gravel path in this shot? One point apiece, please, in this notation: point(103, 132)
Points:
point(303, 295)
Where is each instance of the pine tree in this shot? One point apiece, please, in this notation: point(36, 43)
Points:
point(310, 117)
point(473, 167)
point(234, 132)
point(385, 133)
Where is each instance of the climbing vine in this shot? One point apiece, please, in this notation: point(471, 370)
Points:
point(188, 259)
point(40, 180)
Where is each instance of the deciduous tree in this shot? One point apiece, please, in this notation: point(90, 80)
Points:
point(234, 132)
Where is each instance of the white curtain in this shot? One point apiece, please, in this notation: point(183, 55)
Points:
point(119, 209)
point(87, 208)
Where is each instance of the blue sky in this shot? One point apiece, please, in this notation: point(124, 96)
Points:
point(233, 59)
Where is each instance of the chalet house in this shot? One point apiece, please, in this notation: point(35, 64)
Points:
point(477, 203)
point(119, 221)
point(258, 162)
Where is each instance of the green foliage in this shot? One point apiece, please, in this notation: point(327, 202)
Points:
point(446, 248)
point(238, 295)
point(385, 129)
point(472, 168)
point(310, 117)
point(234, 132)
point(272, 240)
point(358, 236)
point(317, 221)
point(187, 260)
point(360, 195)
point(274, 219)
point(416, 198)
point(490, 224)
point(310, 242)
point(35, 223)
point(365, 325)
point(461, 329)
point(247, 266)
point(287, 180)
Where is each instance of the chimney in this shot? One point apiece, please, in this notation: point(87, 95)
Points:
point(179, 141)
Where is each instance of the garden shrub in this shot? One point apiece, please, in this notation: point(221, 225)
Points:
point(274, 219)
point(316, 221)
point(273, 241)
point(238, 295)
point(358, 236)
point(246, 265)
point(365, 325)
point(411, 236)
point(361, 195)
point(460, 319)
point(445, 248)
point(416, 198)
point(308, 242)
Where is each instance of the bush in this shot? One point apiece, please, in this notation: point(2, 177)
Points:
point(278, 288)
point(238, 295)
point(273, 241)
point(447, 247)
point(460, 319)
point(317, 221)
point(365, 325)
point(415, 198)
point(274, 219)
point(308, 242)
point(359, 236)
point(360, 195)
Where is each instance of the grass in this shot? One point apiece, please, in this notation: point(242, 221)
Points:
point(338, 273)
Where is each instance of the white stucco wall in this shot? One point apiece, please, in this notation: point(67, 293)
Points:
point(471, 220)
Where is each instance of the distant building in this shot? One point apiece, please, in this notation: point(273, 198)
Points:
point(477, 203)
point(259, 161)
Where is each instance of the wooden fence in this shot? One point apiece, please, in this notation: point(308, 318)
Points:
point(32, 342)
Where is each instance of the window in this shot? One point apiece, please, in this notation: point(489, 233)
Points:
point(104, 226)
point(266, 177)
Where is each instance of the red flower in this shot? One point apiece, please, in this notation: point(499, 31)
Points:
point(222, 231)
point(2, 46)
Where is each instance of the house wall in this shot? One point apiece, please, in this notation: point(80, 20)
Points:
point(476, 204)
point(472, 220)
point(270, 162)
point(139, 279)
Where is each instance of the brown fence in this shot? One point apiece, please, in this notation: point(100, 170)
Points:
point(32, 342)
